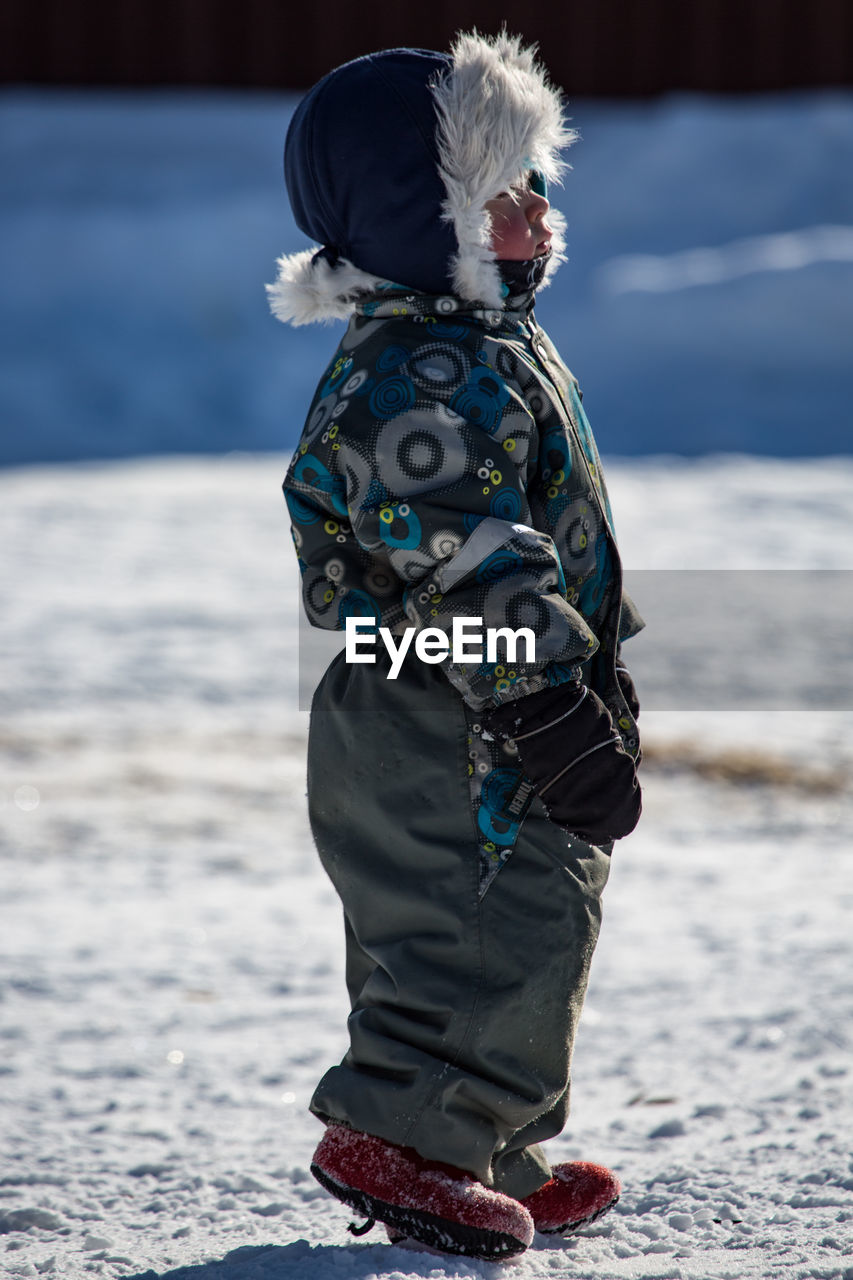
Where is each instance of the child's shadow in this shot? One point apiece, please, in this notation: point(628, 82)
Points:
point(301, 1260)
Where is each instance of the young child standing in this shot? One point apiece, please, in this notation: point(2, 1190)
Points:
point(465, 809)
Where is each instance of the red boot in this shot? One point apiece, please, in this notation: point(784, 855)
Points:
point(577, 1194)
point(436, 1204)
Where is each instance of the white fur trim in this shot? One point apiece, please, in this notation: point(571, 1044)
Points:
point(557, 223)
point(308, 288)
point(498, 118)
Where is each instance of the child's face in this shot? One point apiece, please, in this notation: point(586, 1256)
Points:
point(519, 229)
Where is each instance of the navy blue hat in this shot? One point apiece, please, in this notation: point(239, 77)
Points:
point(390, 162)
point(361, 167)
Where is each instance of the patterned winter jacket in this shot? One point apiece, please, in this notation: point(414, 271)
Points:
point(446, 469)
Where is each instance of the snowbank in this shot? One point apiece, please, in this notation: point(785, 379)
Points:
point(706, 306)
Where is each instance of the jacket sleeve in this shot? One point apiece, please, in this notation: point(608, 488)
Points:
point(443, 501)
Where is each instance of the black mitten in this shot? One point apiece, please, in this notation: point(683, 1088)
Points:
point(571, 751)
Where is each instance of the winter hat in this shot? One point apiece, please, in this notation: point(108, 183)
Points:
point(390, 159)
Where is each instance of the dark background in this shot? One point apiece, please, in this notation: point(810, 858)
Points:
point(607, 48)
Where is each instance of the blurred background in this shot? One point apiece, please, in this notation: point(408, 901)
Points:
point(707, 305)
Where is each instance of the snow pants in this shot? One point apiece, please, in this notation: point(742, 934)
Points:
point(464, 1007)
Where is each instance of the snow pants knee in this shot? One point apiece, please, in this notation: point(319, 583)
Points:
point(464, 1005)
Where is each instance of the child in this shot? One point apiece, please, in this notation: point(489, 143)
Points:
point(464, 809)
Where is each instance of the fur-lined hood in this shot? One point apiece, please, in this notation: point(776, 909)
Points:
point(389, 162)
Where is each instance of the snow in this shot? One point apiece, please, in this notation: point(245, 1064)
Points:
point(171, 953)
point(706, 306)
point(787, 251)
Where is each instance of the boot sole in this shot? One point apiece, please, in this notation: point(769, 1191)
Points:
point(571, 1227)
point(436, 1233)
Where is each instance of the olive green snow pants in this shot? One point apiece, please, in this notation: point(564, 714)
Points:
point(464, 1008)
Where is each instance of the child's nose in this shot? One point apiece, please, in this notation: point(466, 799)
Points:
point(537, 207)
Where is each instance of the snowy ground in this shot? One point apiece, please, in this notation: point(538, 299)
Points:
point(171, 954)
